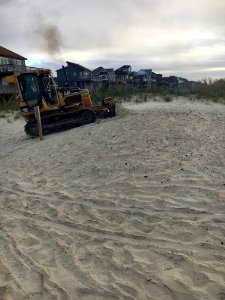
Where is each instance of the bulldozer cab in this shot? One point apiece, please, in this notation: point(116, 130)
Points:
point(48, 89)
point(30, 89)
point(35, 87)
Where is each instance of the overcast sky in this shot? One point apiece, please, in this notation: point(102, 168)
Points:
point(178, 37)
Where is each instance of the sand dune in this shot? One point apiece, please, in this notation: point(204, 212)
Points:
point(126, 208)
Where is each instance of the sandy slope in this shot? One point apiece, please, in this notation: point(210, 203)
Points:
point(126, 208)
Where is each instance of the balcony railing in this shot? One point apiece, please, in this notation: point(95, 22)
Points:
point(12, 68)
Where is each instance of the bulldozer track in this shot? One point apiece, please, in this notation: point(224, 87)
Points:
point(60, 122)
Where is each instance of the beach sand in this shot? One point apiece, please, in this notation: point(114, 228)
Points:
point(126, 208)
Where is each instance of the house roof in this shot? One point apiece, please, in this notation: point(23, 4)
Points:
point(110, 70)
point(122, 70)
point(78, 66)
point(183, 79)
point(144, 72)
point(97, 70)
point(8, 53)
point(101, 69)
point(124, 67)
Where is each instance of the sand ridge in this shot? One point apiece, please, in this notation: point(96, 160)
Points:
point(125, 208)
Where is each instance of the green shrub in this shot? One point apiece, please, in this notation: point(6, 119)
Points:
point(11, 106)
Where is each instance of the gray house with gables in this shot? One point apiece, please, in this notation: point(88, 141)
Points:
point(143, 78)
point(102, 78)
point(124, 75)
point(156, 80)
point(74, 75)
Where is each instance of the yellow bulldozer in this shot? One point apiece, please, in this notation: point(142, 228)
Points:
point(60, 108)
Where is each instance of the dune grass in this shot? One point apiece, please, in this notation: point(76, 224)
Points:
point(205, 90)
point(7, 109)
point(5, 106)
point(213, 90)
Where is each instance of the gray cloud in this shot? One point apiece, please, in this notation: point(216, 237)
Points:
point(50, 37)
point(6, 2)
point(164, 35)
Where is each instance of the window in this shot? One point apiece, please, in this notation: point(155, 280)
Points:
point(84, 74)
point(4, 61)
point(74, 74)
point(30, 89)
